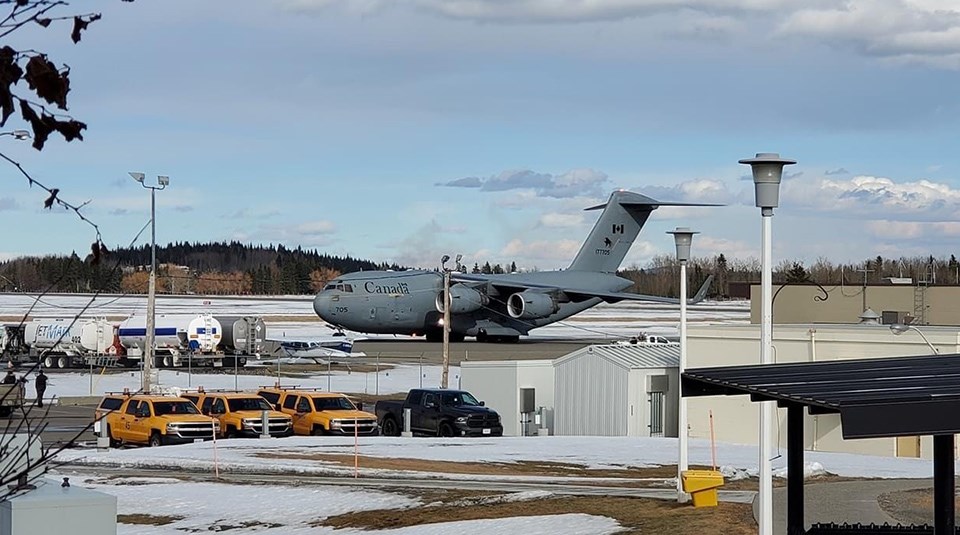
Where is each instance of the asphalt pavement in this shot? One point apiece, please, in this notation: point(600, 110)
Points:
point(841, 502)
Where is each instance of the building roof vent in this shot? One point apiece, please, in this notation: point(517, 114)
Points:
point(869, 317)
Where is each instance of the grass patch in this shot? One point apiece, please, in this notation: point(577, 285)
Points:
point(148, 520)
point(636, 515)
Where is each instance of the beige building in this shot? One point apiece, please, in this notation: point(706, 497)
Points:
point(736, 419)
point(802, 303)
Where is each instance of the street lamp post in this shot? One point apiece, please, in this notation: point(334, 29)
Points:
point(163, 182)
point(900, 328)
point(683, 238)
point(767, 172)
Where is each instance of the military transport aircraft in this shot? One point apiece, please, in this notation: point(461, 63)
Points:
point(497, 308)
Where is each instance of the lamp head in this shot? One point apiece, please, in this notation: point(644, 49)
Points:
point(899, 328)
point(137, 176)
point(683, 238)
point(767, 172)
point(443, 261)
point(163, 180)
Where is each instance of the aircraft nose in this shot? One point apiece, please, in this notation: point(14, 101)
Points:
point(321, 304)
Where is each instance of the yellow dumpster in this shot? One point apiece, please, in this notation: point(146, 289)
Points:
point(702, 486)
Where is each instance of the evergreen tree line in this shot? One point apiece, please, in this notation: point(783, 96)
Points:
point(183, 268)
point(661, 275)
point(236, 268)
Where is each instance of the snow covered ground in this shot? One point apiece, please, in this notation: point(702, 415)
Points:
point(293, 316)
point(277, 509)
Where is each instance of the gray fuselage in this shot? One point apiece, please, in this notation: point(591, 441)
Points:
point(404, 302)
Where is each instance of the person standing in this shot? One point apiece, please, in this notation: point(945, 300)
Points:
point(41, 385)
point(10, 379)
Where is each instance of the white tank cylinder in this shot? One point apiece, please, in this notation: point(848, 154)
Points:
point(169, 332)
point(204, 333)
point(83, 337)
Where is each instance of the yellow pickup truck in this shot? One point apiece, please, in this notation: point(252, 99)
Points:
point(316, 412)
point(241, 414)
point(155, 420)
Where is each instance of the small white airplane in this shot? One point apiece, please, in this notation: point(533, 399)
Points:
point(316, 350)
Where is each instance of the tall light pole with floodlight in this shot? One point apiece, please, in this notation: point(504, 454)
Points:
point(163, 182)
point(767, 172)
point(683, 238)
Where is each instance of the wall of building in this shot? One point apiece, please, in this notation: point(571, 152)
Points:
point(795, 304)
point(498, 384)
point(640, 409)
point(736, 419)
point(592, 397)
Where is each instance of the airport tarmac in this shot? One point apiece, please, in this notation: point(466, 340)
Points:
point(411, 350)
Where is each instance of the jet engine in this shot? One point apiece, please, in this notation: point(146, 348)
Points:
point(463, 299)
point(531, 305)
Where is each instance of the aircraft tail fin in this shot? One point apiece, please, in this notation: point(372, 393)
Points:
point(624, 214)
point(702, 292)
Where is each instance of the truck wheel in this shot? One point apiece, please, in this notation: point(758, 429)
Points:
point(155, 440)
point(318, 430)
point(62, 362)
point(114, 443)
point(231, 432)
point(446, 430)
point(390, 428)
point(242, 361)
point(49, 362)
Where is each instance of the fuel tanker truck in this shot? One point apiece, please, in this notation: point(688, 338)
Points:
point(66, 343)
point(179, 339)
point(243, 337)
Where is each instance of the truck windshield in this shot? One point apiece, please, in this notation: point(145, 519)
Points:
point(248, 404)
point(333, 404)
point(161, 408)
point(458, 399)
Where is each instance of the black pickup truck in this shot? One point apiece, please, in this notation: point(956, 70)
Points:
point(439, 412)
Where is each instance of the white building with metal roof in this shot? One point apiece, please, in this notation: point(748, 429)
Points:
point(599, 390)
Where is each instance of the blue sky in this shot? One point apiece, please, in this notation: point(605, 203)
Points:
point(353, 126)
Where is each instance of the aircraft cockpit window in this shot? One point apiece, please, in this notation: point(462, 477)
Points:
point(330, 287)
point(348, 287)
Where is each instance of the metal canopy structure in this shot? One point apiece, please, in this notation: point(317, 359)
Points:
point(879, 397)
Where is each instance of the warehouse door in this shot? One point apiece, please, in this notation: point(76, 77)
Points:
point(655, 402)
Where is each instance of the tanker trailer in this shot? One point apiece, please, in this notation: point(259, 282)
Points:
point(59, 344)
point(177, 337)
point(243, 336)
point(169, 334)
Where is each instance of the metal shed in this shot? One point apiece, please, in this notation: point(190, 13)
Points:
point(617, 390)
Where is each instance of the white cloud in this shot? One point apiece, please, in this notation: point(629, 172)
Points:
point(555, 220)
point(550, 11)
point(313, 228)
point(870, 196)
point(926, 31)
point(912, 230)
point(543, 254)
point(913, 31)
point(573, 183)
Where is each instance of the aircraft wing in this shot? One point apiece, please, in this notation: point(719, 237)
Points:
point(578, 294)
